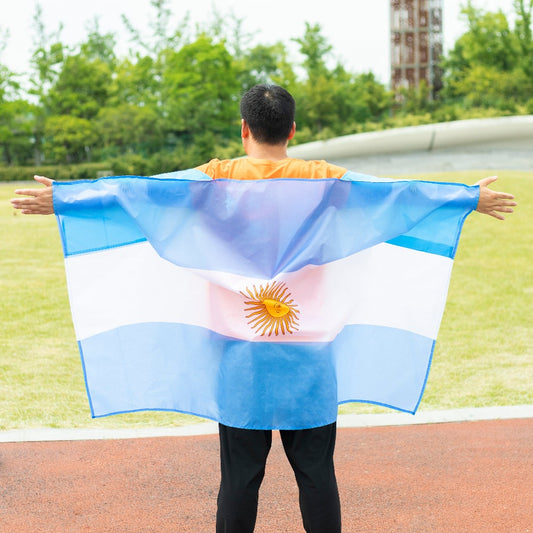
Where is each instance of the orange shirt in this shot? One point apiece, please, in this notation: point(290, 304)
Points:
point(249, 168)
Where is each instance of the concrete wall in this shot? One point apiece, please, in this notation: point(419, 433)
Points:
point(504, 142)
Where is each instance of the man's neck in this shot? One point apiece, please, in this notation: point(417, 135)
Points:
point(272, 152)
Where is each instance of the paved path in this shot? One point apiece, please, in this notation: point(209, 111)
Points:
point(448, 477)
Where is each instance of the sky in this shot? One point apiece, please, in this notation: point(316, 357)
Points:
point(358, 30)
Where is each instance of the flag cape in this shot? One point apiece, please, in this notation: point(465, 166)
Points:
point(258, 304)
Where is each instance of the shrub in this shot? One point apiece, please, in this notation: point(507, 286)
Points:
point(84, 171)
point(130, 164)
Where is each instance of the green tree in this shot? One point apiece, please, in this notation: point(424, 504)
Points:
point(369, 98)
point(161, 36)
point(16, 115)
point(8, 84)
point(16, 131)
point(333, 101)
point(139, 77)
point(99, 46)
point(68, 139)
point(126, 127)
point(81, 89)
point(265, 64)
point(316, 109)
point(199, 88)
point(315, 49)
point(135, 82)
point(227, 28)
point(47, 57)
point(489, 40)
point(489, 87)
point(415, 100)
point(491, 65)
point(523, 32)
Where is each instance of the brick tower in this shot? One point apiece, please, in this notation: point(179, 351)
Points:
point(416, 43)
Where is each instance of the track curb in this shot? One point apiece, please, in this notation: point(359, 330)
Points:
point(209, 428)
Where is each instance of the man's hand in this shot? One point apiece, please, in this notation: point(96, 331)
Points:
point(40, 201)
point(491, 202)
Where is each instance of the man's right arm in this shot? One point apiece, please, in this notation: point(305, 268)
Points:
point(36, 201)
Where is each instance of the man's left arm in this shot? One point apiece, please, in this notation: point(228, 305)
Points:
point(493, 203)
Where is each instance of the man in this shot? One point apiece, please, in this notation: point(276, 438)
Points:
point(267, 126)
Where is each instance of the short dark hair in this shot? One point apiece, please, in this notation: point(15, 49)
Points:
point(269, 112)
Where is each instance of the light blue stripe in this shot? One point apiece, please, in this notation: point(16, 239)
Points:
point(358, 176)
point(258, 228)
point(161, 366)
point(384, 366)
point(438, 234)
point(413, 243)
point(190, 174)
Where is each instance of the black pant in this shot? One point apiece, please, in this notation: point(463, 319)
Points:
point(243, 455)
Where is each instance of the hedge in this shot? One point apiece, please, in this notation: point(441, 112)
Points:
point(84, 171)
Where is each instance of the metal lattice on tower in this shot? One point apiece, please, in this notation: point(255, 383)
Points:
point(416, 43)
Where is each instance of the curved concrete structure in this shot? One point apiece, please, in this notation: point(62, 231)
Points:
point(499, 143)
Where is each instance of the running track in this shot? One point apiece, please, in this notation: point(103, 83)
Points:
point(448, 477)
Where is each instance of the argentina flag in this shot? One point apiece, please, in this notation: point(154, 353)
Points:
point(258, 304)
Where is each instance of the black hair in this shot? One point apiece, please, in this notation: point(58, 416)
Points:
point(269, 112)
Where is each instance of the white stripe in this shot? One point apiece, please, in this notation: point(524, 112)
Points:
point(385, 285)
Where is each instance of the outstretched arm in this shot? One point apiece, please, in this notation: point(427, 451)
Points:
point(40, 201)
point(37, 201)
point(492, 202)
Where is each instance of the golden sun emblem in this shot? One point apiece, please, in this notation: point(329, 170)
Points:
point(271, 309)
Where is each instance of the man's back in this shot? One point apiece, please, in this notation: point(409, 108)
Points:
point(249, 168)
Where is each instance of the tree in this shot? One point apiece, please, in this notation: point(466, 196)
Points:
point(332, 101)
point(316, 94)
point(161, 37)
point(490, 87)
point(523, 32)
point(47, 56)
point(489, 40)
point(415, 100)
point(99, 46)
point(490, 64)
point(265, 64)
point(126, 127)
point(315, 49)
point(139, 78)
point(16, 131)
point(226, 28)
point(370, 99)
point(68, 139)
point(135, 83)
point(15, 115)
point(199, 88)
point(81, 89)
point(8, 83)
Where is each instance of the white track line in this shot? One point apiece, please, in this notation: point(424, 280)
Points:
point(208, 428)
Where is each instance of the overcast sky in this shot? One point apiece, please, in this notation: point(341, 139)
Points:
point(357, 29)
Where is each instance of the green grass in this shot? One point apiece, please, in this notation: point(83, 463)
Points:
point(483, 355)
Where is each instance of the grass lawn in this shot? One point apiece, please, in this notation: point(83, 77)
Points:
point(484, 353)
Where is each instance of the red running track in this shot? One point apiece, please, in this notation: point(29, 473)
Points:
point(435, 478)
